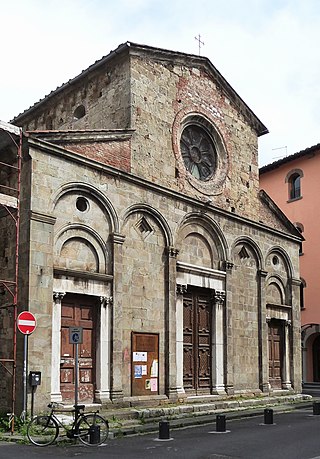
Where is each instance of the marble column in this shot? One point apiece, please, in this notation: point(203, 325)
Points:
point(56, 347)
point(171, 328)
point(218, 343)
point(181, 289)
point(286, 379)
point(103, 354)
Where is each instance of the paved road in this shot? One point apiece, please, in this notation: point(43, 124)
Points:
point(294, 435)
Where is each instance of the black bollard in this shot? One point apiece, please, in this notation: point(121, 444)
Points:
point(164, 430)
point(94, 433)
point(268, 416)
point(220, 423)
point(316, 408)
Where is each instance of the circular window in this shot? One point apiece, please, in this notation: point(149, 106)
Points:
point(198, 152)
point(82, 204)
point(275, 260)
point(202, 158)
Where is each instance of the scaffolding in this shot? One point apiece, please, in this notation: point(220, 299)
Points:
point(10, 187)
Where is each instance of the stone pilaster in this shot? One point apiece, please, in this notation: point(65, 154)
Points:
point(116, 388)
point(263, 333)
point(228, 348)
point(295, 336)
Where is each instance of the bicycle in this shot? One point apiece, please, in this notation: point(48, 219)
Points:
point(90, 428)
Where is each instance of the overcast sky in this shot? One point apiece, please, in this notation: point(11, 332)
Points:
point(267, 50)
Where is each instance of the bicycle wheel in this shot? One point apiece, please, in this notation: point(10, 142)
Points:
point(92, 429)
point(42, 430)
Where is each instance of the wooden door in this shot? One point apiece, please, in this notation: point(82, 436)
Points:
point(197, 329)
point(145, 364)
point(275, 339)
point(78, 311)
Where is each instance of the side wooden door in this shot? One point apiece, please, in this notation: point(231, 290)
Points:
point(275, 339)
point(78, 311)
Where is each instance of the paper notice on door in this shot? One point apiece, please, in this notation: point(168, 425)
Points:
point(154, 369)
point(138, 371)
point(147, 384)
point(144, 370)
point(154, 384)
point(140, 356)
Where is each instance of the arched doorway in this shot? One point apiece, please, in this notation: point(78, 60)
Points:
point(316, 359)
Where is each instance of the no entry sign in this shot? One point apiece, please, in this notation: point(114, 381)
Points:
point(26, 322)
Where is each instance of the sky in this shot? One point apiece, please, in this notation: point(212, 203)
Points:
point(267, 50)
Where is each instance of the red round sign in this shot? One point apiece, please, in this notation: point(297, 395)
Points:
point(26, 322)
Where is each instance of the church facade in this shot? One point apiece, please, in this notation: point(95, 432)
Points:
point(144, 227)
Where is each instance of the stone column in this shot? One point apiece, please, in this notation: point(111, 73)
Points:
point(263, 333)
point(181, 289)
point(171, 331)
point(218, 367)
point(228, 348)
point(56, 347)
point(116, 387)
point(286, 380)
point(102, 393)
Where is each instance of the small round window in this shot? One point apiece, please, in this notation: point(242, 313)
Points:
point(198, 152)
point(82, 204)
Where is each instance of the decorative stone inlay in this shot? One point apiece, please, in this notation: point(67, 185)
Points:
point(181, 289)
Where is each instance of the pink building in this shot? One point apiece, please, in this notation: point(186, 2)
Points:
point(293, 183)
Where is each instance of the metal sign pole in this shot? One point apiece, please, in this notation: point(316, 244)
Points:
point(25, 356)
point(76, 376)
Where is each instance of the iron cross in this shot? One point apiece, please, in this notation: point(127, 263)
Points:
point(198, 38)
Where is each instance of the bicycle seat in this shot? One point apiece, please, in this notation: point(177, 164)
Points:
point(79, 407)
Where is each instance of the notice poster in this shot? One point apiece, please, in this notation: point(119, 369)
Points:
point(138, 371)
point(140, 356)
point(147, 384)
point(154, 384)
point(144, 370)
point(154, 369)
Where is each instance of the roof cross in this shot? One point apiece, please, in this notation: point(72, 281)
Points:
point(198, 38)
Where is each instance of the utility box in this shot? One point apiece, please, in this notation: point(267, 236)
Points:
point(35, 378)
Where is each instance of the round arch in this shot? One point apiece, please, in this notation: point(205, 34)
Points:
point(209, 225)
point(95, 193)
point(154, 213)
point(252, 244)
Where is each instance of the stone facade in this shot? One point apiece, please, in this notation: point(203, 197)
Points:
point(114, 218)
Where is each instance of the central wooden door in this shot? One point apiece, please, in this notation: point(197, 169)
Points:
point(78, 311)
point(197, 331)
point(275, 338)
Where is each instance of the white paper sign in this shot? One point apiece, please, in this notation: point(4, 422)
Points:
point(140, 356)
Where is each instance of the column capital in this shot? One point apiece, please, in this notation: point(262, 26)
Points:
point(228, 265)
point(172, 251)
point(106, 301)
point(181, 289)
point(58, 296)
point(219, 297)
point(118, 238)
point(262, 273)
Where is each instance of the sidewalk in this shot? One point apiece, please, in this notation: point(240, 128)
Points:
point(139, 420)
